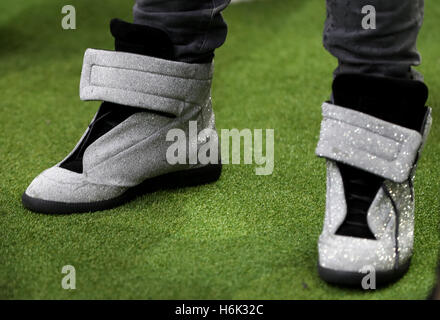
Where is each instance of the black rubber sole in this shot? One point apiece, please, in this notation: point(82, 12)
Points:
point(173, 180)
point(354, 279)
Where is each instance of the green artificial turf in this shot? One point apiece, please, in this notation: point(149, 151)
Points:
point(245, 236)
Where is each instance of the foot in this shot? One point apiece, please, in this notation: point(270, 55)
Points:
point(123, 153)
point(371, 136)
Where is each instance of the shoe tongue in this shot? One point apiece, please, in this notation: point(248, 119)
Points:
point(108, 116)
point(141, 39)
point(398, 101)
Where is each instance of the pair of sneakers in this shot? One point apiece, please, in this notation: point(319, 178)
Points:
point(372, 134)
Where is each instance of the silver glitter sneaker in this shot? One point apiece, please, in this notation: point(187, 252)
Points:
point(371, 137)
point(131, 158)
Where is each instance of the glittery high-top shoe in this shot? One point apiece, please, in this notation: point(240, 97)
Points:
point(372, 134)
point(124, 152)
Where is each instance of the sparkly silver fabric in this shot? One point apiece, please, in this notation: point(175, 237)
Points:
point(135, 149)
point(142, 81)
point(58, 184)
point(394, 231)
point(368, 143)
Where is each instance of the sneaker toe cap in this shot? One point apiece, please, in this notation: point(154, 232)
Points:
point(355, 254)
point(61, 185)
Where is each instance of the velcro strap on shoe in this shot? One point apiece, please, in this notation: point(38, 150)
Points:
point(141, 81)
point(367, 143)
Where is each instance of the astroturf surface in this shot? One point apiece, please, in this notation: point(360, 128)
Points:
point(243, 237)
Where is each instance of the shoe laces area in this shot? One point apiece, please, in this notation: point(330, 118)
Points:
point(109, 116)
point(360, 189)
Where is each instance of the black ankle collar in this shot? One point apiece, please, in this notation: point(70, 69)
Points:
point(398, 101)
